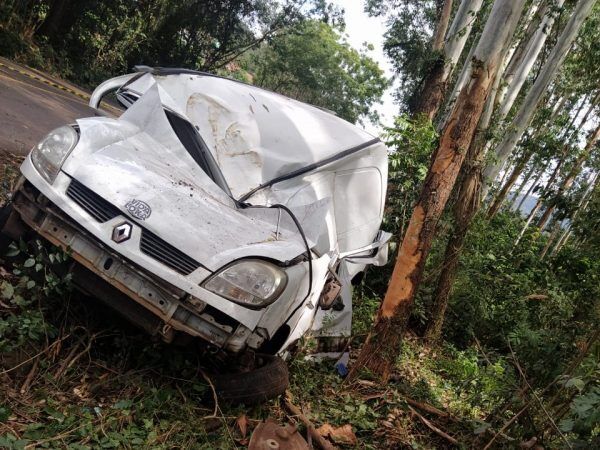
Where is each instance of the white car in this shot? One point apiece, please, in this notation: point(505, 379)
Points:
point(211, 208)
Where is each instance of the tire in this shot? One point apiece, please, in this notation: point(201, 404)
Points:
point(269, 380)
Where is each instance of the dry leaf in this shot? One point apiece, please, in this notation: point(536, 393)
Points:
point(242, 423)
point(339, 435)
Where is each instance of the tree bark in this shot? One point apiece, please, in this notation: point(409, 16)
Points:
point(59, 19)
point(442, 26)
point(534, 47)
point(531, 188)
point(538, 204)
point(380, 351)
point(519, 191)
point(537, 11)
point(551, 238)
point(580, 207)
point(466, 205)
point(435, 84)
point(547, 74)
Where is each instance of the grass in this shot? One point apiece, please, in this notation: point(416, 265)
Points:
point(75, 376)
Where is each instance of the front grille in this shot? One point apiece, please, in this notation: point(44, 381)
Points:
point(150, 244)
point(92, 203)
point(155, 247)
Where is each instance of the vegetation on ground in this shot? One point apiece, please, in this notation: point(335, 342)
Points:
point(492, 339)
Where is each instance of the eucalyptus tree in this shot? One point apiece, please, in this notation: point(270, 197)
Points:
point(435, 84)
point(547, 73)
point(570, 176)
point(383, 344)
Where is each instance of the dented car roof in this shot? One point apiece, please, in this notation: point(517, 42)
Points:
point(254, 135)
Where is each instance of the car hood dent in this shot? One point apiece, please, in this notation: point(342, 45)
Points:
point(139, 157)
point(254, 135)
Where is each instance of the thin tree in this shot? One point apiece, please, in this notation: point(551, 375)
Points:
point(545, 77)
point(569, 179)
point(380, 351)
point(435, 84)
point(534, 47)
point(581, 206)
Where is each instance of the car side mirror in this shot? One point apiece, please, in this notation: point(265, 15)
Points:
point(106, 88)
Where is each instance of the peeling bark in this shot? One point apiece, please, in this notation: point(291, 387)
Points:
point(383, 344)
point(436, 82)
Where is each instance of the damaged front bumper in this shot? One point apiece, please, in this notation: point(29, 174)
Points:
point(157, 306)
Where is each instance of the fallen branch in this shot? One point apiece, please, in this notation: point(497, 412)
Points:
point(63, 366)
point(433, 428)
point(539, 400)
point(21, 364)
point(312, 431)
point(429, 408)
point(30, 375)
point(214, 415)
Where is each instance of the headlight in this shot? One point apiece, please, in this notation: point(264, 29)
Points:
point(48, 156)
point(251, 282)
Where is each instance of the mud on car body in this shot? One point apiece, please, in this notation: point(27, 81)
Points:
point(211, 208)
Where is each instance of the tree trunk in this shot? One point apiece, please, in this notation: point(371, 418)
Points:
point(538, 204)
point(519, 191)
point(458, 85)
point(537, 11)
point(551, 238)
point(547, 74)
point(59, 19)
point(582, 205)
point(512, 179)
point(466, 205)
point(383, 344)
point(435, 84)
point(442, 26)
point(571, 176)
point(534, 47)
point(530, 190)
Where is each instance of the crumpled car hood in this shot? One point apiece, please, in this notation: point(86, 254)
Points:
point(254, 135)
point(139, 157)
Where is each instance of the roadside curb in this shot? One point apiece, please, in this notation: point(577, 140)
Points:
point(47, 81)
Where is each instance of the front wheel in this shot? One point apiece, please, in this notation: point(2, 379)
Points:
point(268, 380)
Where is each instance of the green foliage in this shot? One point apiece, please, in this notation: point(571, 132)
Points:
point(411, 142)
point(312, 62)
point(408, 41)
point(94, 40)
point(22, 321)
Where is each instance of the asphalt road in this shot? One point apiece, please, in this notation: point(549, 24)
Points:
point(32, 104)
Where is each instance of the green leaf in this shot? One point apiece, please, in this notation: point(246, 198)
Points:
point(13, 250)
point(7, 290)
point(29, 263)
point(577, 383)
point(123, 404)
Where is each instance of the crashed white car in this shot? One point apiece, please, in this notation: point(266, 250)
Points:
point(211, 208)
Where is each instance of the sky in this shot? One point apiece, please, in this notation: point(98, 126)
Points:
point(361, 28)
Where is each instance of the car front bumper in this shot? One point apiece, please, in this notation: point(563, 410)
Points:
point(175, 309)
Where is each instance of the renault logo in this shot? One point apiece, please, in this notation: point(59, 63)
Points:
point(121, 232)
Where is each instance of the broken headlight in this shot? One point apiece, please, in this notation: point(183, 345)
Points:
point(251, 282)
point(48, 156)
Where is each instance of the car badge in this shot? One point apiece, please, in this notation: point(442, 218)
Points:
point(121, 232)
point(138, 209)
